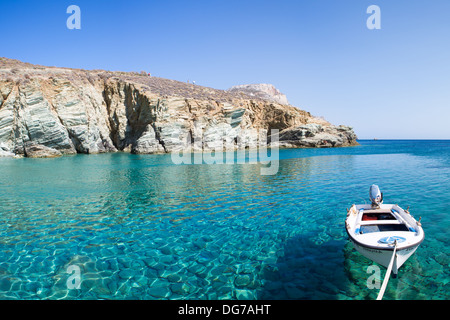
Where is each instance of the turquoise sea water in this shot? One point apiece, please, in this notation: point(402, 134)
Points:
point(140, 227)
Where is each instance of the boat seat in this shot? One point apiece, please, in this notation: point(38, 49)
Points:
point(382, 227)
point(375, 222)
point(376, 211)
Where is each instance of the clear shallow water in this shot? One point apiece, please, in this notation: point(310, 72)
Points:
point(139, 227)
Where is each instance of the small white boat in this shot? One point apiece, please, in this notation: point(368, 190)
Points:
point(376, 228)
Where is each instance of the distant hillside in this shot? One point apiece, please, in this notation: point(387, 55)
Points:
point(262, 91)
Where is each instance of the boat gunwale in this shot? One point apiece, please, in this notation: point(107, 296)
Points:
point(385, 248)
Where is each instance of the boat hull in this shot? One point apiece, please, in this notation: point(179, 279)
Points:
point(383, 257)
point(375, 230)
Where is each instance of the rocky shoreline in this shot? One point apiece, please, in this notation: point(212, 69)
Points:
point(49, 111)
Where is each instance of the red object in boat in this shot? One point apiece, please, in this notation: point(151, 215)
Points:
point(367, 217)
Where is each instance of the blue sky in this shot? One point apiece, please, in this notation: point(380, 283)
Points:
point(388, 83)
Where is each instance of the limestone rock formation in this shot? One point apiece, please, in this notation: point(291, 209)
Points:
point(5, 153)
point(316, 135)
point(34, 150)
point(48, 111)
point(263, 91)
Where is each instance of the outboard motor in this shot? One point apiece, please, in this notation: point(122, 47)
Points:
point(375, 195)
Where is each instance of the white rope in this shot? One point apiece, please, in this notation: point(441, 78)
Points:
point(388, 273)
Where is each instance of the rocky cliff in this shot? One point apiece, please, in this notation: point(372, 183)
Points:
point(49, 111)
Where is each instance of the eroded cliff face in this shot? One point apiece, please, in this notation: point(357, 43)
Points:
point(53, 111)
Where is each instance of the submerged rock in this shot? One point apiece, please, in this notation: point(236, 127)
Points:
point(242, 280)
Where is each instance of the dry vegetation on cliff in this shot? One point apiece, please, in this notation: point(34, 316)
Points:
point(16, 70)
